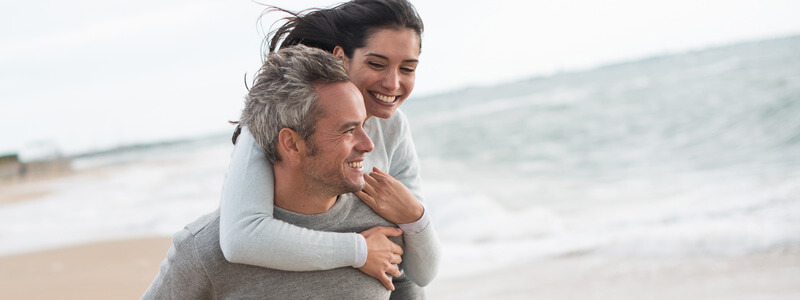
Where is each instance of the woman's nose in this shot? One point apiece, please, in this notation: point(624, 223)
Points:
point(391, 81)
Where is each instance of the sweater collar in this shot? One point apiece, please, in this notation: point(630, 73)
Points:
point(320, 221)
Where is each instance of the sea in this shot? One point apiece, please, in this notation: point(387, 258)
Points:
point(686, 154)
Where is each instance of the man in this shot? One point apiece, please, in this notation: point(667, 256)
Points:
point(312, 188)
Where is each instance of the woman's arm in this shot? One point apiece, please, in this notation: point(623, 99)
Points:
point(397, 197)
point(421, 260)
point(249, 234)
point(394, 202)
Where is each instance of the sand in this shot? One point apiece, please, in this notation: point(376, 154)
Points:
point(760, 276)
point(124, 269)
point(107, 270)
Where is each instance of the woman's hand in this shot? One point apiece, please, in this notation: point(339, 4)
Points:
point(383, 255)
point(389, 198)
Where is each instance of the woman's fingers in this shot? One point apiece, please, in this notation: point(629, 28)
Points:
point(382, 254)
point(386, 281)
point(388, 197)
point(394, 270)
point(375, 170)
point(372, 180)
point(396, 259)
point(366, 198)
point(370, 184)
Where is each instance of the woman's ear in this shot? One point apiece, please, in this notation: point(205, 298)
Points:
point(338, 51)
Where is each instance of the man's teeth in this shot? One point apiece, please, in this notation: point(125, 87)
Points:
point(355, 164)
point(387, 99)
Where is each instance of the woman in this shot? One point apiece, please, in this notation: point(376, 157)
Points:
point(379, 43)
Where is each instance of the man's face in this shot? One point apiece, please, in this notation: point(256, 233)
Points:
point(339, 141)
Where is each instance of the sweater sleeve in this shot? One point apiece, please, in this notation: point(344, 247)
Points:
point(250, 235)
point(423, 251)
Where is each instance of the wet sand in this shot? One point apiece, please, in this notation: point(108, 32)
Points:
point(107, 270)
point(124, 269)
point(760, 276)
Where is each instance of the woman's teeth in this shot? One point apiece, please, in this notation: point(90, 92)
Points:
point(387, 99)
point(355, 164)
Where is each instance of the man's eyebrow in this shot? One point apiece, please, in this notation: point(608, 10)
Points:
point(386, 58)
point(349, 124)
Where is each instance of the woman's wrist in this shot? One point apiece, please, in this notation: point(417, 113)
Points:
point(417, 226)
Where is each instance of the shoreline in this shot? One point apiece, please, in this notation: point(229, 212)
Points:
point(123, 269)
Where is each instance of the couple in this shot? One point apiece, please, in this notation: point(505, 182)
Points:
point(310, 111)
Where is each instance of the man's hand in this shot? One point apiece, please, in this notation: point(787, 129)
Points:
point(383, 255)
point(388, 197)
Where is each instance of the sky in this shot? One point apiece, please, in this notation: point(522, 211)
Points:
point(79, 76)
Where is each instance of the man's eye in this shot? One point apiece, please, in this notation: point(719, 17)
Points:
point(351, 130)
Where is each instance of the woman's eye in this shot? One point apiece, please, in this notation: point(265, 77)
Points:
point(407, 69)
point(375, 64)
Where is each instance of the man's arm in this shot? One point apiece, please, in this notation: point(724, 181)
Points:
point(182, 275)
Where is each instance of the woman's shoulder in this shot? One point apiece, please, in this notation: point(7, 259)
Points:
point(399, 117)
point(388, 133)
point(394, 124)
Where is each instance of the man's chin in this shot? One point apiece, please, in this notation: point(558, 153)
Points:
point(356, 187)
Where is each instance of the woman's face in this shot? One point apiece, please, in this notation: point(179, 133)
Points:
point(383, 70)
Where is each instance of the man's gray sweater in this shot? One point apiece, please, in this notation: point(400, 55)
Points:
point(195, 267)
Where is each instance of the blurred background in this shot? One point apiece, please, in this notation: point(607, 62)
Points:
point(636, 149)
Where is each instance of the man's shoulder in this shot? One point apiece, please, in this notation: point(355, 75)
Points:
point(202, 236)
point(207, 222)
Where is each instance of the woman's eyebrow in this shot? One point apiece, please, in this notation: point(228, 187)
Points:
point(386, 58)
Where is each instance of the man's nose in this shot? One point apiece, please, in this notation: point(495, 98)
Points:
point(364, 143)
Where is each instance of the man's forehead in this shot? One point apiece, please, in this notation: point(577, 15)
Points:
point(340, 103)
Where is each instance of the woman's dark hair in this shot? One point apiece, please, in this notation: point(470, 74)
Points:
point(347, 25)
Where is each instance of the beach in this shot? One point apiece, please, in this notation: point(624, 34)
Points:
point(761, 276)
point(675, 177)
point(120, 269)
point(123, 269)
point(101, 231)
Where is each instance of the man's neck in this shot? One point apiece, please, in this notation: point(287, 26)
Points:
point(292, 193)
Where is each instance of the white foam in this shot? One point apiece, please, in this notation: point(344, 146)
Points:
point(738, 217)
point(142, 199)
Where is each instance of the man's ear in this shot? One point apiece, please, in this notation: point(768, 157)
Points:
point(290, 144)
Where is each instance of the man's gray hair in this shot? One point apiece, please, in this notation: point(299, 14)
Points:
point(284, 94)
